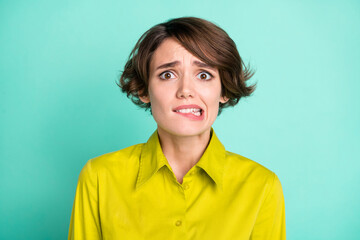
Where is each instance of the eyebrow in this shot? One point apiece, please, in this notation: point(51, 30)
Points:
point(204, 65)
point(167, 65)
point(197, 63)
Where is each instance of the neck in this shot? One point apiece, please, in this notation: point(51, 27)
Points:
point(183, 152)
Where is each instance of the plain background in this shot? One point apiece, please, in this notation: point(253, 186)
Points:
point(60, 106)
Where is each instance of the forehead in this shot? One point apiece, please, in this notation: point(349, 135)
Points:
point(170, 50)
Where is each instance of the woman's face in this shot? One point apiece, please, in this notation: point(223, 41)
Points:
point(184, 92)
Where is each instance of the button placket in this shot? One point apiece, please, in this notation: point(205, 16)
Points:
point(178, 223)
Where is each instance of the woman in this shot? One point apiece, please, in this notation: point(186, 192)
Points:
point(182, 183)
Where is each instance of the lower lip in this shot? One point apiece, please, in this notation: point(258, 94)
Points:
point(192, 116)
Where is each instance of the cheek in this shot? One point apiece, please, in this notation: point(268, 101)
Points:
point(158, 99)
point(213, 96)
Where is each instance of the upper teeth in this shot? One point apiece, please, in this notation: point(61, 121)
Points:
point(189, 110)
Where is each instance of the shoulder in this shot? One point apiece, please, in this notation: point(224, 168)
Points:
point(245, 165)
point(120, 160)
point(250, 175)
point(241, 169)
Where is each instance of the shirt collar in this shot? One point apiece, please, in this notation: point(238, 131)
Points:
point(152, 159)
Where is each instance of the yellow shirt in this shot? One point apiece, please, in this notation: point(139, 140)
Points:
point(133, 194)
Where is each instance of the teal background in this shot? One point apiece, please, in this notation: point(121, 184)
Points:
point(60, 106)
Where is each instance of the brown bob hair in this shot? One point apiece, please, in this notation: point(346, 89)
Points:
point(204, 40)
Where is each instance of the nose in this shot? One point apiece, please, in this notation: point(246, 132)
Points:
point(185, 88)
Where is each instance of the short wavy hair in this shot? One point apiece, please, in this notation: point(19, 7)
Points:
point(204, 40)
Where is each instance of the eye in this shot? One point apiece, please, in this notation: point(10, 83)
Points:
point(166, 75)
point(205, 76)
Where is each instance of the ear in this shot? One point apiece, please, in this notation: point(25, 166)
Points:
point(144, 99)
point(224, 99)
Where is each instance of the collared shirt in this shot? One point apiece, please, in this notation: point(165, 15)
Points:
point(134, 194)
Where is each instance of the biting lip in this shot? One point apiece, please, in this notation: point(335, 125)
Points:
point(188, 107)
point(192, 112)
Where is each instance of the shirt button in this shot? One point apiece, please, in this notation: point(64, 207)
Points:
point(178, 223)
point(186, 186)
